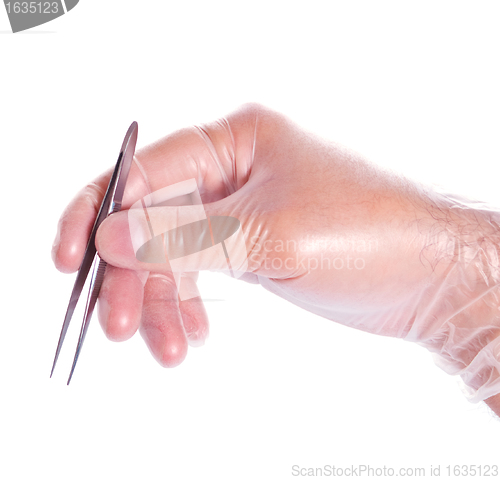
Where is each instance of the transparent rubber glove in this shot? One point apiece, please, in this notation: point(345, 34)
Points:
point(323, 228)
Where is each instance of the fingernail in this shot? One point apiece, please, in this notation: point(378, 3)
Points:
point(139, 228)
point(196, 339)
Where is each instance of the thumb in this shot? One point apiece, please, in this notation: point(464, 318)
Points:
point(174, 239)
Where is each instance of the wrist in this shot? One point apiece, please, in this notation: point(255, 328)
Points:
point(462, 324)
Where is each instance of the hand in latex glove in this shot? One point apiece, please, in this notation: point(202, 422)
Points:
point(324, 229)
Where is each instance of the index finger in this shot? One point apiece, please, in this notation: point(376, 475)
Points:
point(75, 225)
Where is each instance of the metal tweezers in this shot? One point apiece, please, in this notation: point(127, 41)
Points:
point(111, 203)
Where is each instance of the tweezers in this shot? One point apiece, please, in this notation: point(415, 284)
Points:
point(111, 203)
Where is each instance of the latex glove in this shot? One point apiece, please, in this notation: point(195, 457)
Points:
point(324, 229)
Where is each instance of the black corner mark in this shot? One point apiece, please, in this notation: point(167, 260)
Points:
point(70, 4)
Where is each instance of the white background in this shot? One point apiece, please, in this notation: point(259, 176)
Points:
point(412, 85)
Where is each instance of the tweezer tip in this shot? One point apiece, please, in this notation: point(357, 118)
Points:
point(53, 368)
point(74, 364)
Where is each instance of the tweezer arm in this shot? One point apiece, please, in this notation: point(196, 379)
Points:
point(95, 287)
point(88, 257)
point(111, 203)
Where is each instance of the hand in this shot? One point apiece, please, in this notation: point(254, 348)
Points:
point(324, 229)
